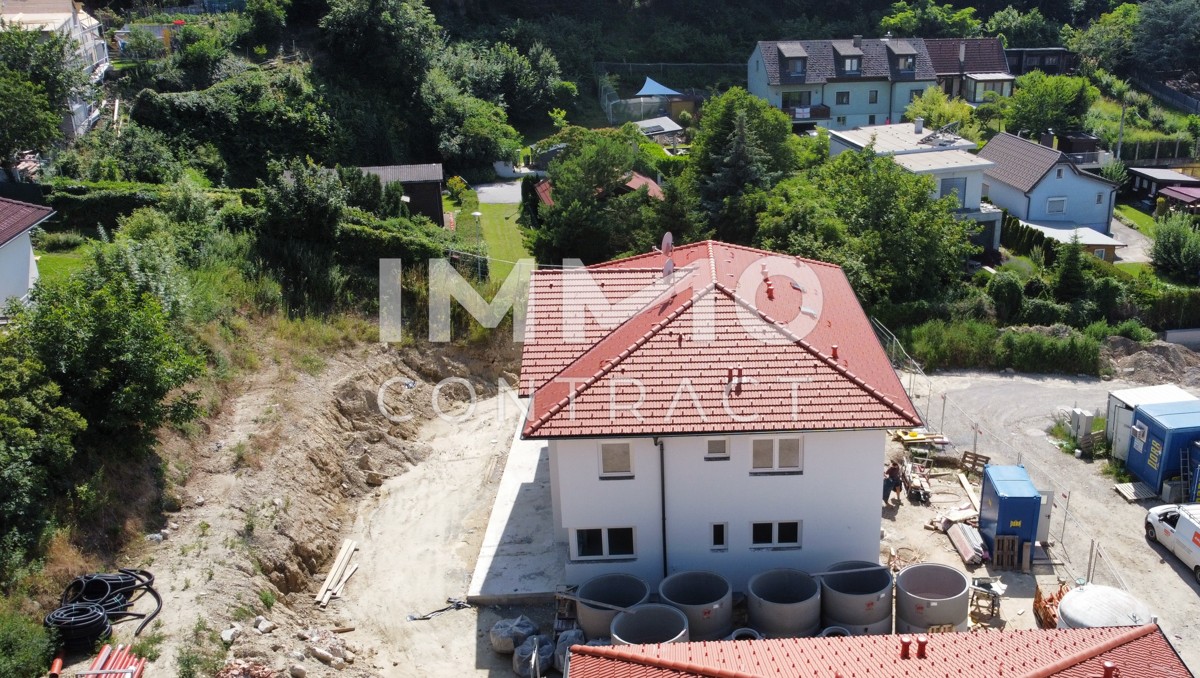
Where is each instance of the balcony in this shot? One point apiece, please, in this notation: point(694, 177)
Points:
point(1090, 158)
point(807, 113)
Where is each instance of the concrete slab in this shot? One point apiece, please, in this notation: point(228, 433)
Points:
point(519, 561)
point(499, 192)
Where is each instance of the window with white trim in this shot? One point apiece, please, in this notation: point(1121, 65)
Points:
point(852, 64)
point(717, 448)
point(1056, 206)
point(777, 455)
point(783, 534)
point(906, 63)
point(616, 460)
point(720, 536)
point(603, 543)
point(1099, 253)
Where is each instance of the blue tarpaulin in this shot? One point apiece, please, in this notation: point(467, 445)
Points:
point(653, 89)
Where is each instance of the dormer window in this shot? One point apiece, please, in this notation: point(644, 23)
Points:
point(906, 63)
point(796, 66)
point(852, 64)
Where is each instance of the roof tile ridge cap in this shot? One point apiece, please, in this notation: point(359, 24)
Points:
point(1093, 651)
point(625, 655)
point(624, 354)
point(756, 250)
point(854, 378)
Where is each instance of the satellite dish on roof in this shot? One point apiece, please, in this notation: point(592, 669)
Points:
point(668, 244)
point(669, 267)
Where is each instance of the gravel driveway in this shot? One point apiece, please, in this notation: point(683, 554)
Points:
point(1137, 244)
point(1018, 410)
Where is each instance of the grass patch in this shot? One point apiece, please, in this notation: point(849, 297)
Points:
point(1115, 469)
point(1136, 218)
point(503, 237)
point(56, 266)
point(202, 654)
point(267, 598)
point(1023, 267)
point(150, 645)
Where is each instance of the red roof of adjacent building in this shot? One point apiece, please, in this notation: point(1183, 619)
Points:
point(1070, 653)
point(544, 188)
point(982, 55)
point(16, 217)
point(620, 349)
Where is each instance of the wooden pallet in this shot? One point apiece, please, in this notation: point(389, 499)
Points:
point(1091, 441)
point(974, 463)
point(1135, 491)
point(1008, 553)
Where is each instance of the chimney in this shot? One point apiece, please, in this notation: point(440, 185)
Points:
point(835, 352)
point(918, 126)
point(858, 41)
point(770, 290)
point(921, 642)
point(905, 641)
point(962, 52)
point(1110, 670)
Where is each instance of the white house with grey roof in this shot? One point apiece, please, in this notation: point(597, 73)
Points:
point(938, 154)
point(840, 84)
point(1040, 185)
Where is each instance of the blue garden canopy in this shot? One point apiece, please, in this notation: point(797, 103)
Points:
point(654, 89)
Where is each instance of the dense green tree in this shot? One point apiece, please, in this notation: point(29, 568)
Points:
point(1070, 281)
point(927, 19)
point(44, 59)
point(385, 43)
point(1042, 102)
point(1023, 29)
point(25, 644)
point(939, 110)
point(1167, 37)
point(142, 44)
point(267, 20)
point(26, 119)
point(525, 85)
point(1108, 42)
point(744, 169)
point(470, 132)
point(1176, 250)
point(1008, 295)
point(363, 190)
point(994, 107)
point(1116, 171)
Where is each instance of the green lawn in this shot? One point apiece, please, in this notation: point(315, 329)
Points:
point(1139, 219)
point(54, 266)
point(1136, 267)
point(503, 237)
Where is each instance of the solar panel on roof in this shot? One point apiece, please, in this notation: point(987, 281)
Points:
point(652, 129)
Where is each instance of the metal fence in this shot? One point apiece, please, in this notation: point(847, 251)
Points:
point(696, 80)
point(1168, 94)
point(1069, 543)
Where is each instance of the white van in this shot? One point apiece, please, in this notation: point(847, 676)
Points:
point(1177, 527)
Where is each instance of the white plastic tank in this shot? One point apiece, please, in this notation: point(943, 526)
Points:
point(621, 590)
point(1093, 605)
point(784, 603)
point(929, 594)
point(857, 596)
point(649, 623)
point(705, 597)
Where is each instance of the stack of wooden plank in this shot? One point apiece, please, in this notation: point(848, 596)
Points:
point(920, 437)
point(339, 574)
point(968, 542)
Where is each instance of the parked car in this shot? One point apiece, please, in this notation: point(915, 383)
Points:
point(1177, 527)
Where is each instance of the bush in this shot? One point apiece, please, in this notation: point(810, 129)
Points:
point(64, 241)
point(942, 345)
point(1043, 312)
point(1007, 295)
point(1036, 352)
point(1130, 329)
point(25, 648)
point(456, 187)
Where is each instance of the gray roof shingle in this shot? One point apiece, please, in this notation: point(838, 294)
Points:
point(823, 66)
point(1018, 162)
point(983, 55)
point(407, 174)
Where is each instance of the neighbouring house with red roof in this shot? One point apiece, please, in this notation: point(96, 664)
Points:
point(18, 267)
point(1127, 652)
point(721, 409)
point(970, 67)
point(545, 189)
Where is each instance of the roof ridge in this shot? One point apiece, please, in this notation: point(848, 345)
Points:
point(613, 652)
point(1093, 651)
point(747, 248)
point(845, 372)
point(587, 383)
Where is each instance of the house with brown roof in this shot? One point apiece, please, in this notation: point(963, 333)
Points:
point(422, 186)
point(968, 68)
point(1041, 185)
point(1106, 652)
point(841, 84)
point(18, 266)
point(714, 407)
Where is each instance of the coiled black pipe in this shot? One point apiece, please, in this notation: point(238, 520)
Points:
point(91, 604)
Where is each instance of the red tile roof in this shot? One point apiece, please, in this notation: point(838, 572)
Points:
point(544, 188)
point(17, 217)
point(617, 349)
point(1069, 653)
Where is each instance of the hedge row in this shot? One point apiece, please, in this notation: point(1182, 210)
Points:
point(938, 344)
point(84, 205)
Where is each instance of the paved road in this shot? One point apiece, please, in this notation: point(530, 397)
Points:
point(500, 192)
point(1018, 410)
point(1137, 245)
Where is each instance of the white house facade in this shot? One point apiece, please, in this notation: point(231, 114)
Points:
point(941, 155)
point(18, 266)
point(1043, 186)
point(688, 428)
point(840, 84)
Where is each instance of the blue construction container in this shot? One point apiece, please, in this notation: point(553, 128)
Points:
point(1158, 437)
point(1009, 505)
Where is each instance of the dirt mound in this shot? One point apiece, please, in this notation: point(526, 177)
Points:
point(1154, 362)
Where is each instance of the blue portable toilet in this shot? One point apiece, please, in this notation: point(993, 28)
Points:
point(1008, 505)
point(1158, 436)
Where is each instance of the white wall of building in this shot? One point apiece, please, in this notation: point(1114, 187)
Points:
point(18, 268)
point(756, 78)
point(1006, 197)
point(1089, 201)
point(836, 498)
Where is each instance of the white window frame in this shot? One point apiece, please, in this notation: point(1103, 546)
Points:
point(606, 555)
point(724, 546)
point(775, 468)
point(775, 544)
point(708, 453)
point(1050, 201)
point(906, 63)
point(852, 64)
point(613, 475)
point(1099, 252)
